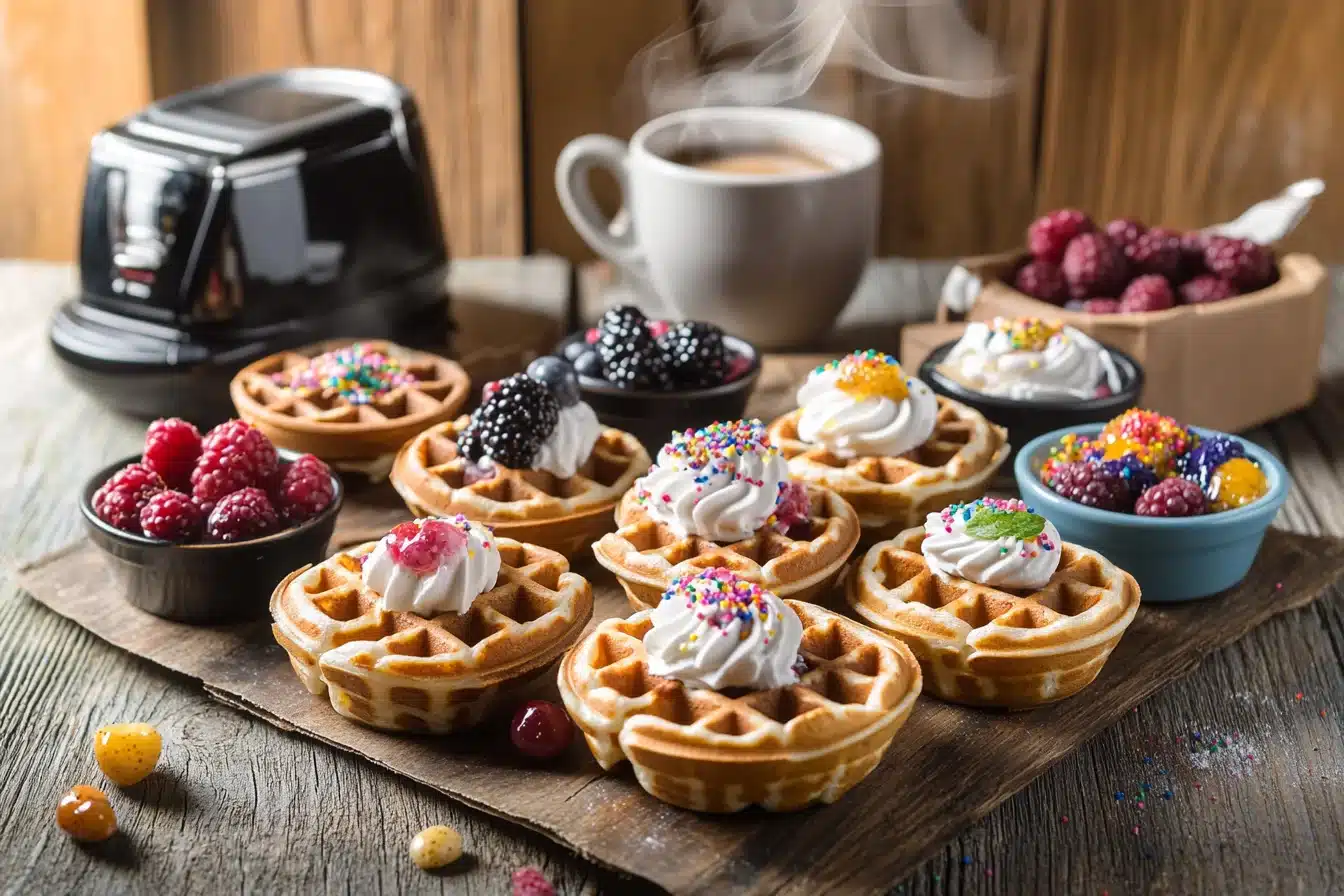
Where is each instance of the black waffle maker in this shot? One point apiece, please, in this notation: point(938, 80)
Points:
point(249, 216)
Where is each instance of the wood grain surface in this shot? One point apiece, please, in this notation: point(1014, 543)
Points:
point(252, 809)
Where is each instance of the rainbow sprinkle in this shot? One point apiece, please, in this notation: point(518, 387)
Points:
point(714, 451)
point(1156, 440)
point(869, 374)
point(1029, 334)
point(1030, 546)
point(356, 373)
point(721, 598)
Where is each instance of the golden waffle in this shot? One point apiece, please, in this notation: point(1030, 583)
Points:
point(893, 493)
point(989, 647)
point(782, 749)
point(647, 555)
point(534, 506)
point(403, 672)
point(329, 425)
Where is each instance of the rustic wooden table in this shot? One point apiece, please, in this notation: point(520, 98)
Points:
point(250, 808)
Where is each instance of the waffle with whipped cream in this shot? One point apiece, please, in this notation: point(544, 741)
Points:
point(998, 610)
point(722, 497)
point(419, 631)
point(1030, 359)
point(725, 696)
point(886, 443)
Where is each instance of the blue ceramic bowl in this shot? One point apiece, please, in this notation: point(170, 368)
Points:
point(1172, 559)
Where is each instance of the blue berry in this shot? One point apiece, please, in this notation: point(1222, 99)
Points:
point(557, 376)
point(1204, 459)
point(1137, 475)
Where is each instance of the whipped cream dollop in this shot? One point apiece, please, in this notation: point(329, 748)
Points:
point(722, 482)
point(863, 405)
point(715, 630)
point(569, 444)
point(1029, 358)
point(433, 566)
point(1000, 543)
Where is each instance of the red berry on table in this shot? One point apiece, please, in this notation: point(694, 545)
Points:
point(1042, 280)
point(1147, 293)
point(1206, 288)
point(118, 501)
point(1124, 231)
point(1172, 497)
point(1092, 485)
point(531, 882)
point(1157, 252)
point(242, 438)
point(221, 473)
point(242, 515)
point(172, 447)
point(1094, 266)
point(1246, 265)
point(1049, 235)
point(541, 729)
point(1101, 306)
point(172, 516)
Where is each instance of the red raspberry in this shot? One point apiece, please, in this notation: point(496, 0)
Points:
point(531, 882)
point(1048, 236)
point(1172, 497)
point(172, 516)
point(1246, 265)
point(305, 491)
point(118, 501)
point(221, 473)
point(1094, 266)
point(1124, 231)
point(1101, 306)
point(1206, 288)
point(172, 448)
point(1092, 485)
point(243, 438)
point(1042, 280)
point(794, 506)
point(1157, 252)
point(242, 515)
point(1150, 292)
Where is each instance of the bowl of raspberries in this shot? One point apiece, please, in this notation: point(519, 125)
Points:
point(199, 528)
point(1182, 508)
point(650, 377)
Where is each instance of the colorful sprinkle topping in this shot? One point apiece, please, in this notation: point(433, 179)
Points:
point(422, 546)
point(990, 519)
point(1154, 440)
point(1029, 334)
point(355, 373)
point(717, 442)
point(869, 374)
point(721, 598)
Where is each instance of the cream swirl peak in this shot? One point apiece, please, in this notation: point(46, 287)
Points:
point(1029, 358)
point(863, 405)
point(995, 542)
point(570, 443)
point(722, 482)
point(432, 566)
point(715, 630)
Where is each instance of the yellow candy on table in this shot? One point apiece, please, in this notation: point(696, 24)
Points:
point(435, 847)
point(127, 752)
point(1236, 483)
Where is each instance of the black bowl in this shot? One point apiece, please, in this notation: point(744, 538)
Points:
point(206, 584)
point(1027, 419)
point(652, 417)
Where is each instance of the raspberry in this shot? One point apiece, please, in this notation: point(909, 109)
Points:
point(794, 506)
point(305, 490)
point(531, 882)
point(1093, 266)
point(172, 447)
point(221, 473)
point(1192, 253)
point(1139, 476)
point(1246, 265)
point(1156, 252)
point(1092, 485)
point(1124, 231)
point(245, 514)
point(1101, 306)
point(1171, 497)
point(1150, 292)
point(243, 438)
point(1049, 236)
point(119, 500)
point(1206, 288)
point(172, 516)
point(1204, 459)
point(1042, 280)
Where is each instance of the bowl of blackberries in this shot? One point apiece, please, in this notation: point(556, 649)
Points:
point(199, 529)
point(654, 377)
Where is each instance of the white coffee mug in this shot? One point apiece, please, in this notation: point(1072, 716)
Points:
point(770, 257)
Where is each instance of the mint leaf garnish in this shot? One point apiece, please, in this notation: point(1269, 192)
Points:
point(991, 525)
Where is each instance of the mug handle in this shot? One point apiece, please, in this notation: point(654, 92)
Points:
point(576, 160)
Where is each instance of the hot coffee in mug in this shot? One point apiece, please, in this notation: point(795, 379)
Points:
point(760, 220)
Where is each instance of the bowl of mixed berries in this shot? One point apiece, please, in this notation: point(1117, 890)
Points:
point(652, 377)
point(200, 528)
point(1184, 509)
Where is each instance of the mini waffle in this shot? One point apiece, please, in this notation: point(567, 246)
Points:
point(565, 515)
point(893, 493)
point(782, 749)
point(988, 647)
point(327, 424)
point(647, 555)
point(403, 672)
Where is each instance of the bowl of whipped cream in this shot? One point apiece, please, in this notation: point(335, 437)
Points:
point(1032, 375)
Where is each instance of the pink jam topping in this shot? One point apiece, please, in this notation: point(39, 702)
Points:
point(794, 506)
point(423, 546)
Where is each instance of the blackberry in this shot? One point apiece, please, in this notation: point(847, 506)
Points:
point(628, 352)
point(1204, 459)
point(512, 424)
point(694, 354)
point(1137, 475)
